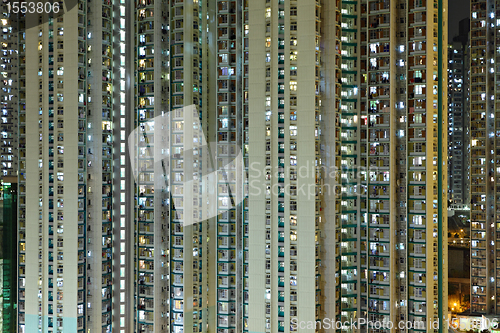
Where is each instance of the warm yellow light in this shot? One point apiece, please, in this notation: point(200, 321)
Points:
point(454, 304)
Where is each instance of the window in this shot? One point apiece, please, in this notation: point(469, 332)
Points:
point(417, 263)
point(268, 12)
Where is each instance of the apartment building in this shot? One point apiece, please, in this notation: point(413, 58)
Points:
point(230, 132)
point(288, 40)
point(108, 245)
point(69, 81)
point(8, 255)
point(190, 116)
point(458, 121)
point(150, 240)
point(484, 161)
point(337, 115)
point(9, 97)
point(394, 140)
point(374, 74)
point(9, 93)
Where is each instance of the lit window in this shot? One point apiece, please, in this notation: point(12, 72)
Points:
point(268, 12)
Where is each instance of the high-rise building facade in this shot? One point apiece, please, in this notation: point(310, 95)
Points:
point(348, 218)
point(148, 273)
point(337, 203)
point(9, 93)
point(106, 245)
point(69, 74)
point(8, 255)
point(394, 136)
point(458, 117)
point(484, 159)
point(285, 253)
point(9, 99)
point(458, 124)
point(191, 117)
